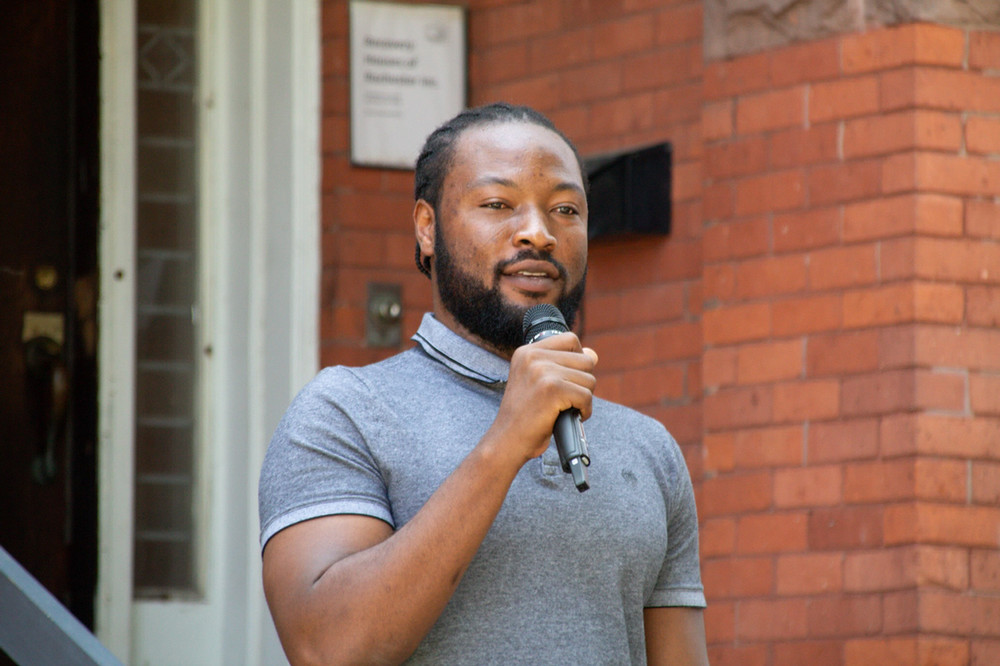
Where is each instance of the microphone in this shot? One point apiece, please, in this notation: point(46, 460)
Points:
point(541, 321)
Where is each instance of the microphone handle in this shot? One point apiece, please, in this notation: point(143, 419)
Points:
point(571, 443)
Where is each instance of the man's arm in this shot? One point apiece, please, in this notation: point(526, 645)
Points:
point(675, 636)
point(347, 589)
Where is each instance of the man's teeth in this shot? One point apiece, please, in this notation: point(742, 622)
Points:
point(530, 274)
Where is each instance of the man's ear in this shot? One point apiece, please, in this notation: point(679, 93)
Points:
point(424, 226)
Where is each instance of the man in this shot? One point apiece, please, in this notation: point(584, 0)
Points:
point(416, 508)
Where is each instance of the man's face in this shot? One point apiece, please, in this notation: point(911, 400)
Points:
point(511, 232)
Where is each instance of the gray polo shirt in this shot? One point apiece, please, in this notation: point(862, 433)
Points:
point(562, 576)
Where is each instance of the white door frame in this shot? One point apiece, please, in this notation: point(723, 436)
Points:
point(259, 109)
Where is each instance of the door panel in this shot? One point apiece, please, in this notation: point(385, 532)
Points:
point(48, 271)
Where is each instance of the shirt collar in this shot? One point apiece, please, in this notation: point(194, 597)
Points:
point(460, 355)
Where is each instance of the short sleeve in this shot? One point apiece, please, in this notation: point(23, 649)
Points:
point(318, 462)
point(679, 582)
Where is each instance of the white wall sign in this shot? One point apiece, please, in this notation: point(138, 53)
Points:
point(407, 77)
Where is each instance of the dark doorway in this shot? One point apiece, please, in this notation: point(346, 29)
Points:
point(49, 167)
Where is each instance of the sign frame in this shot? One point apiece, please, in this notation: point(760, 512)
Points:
point(408, 74)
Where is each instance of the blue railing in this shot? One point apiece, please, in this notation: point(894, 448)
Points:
point(36, 629)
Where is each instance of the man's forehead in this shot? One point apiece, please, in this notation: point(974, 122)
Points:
point(499, 144)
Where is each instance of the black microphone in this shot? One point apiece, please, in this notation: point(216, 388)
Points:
point(541, 321)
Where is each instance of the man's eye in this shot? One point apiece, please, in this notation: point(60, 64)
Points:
point(495, 205)
point(567, 210)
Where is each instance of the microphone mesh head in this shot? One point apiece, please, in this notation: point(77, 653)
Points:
point(543, 317)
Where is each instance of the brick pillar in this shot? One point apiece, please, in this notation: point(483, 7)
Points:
point(851, 362)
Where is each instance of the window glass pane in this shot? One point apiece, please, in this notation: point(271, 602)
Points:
point(166, 299)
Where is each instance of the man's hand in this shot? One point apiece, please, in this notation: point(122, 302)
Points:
point(546, 378)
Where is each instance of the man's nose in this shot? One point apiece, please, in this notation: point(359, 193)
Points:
point(534, 230)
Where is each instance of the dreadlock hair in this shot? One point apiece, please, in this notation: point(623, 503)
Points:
point(439, 150)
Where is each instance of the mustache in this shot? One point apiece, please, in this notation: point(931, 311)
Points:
point(534, 255)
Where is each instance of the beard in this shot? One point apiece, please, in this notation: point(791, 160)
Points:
point(483, 310)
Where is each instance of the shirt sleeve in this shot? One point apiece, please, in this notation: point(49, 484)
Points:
point(318, 462)
point(679, 582)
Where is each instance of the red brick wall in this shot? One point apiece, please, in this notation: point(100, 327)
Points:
point(821, 330)
point(851, 350)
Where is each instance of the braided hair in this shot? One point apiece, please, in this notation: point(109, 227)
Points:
point(439, 150)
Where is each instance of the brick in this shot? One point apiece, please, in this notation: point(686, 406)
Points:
point(736, 158)
point(733, 240)
point(718, 452)
point(984, 570)
point(972, 348)
point(559, 50)
point(841, 441)
point(955, 90)
point(590, 82)
point(807, 229)
point(905, 130)
point(903, 214)
point(879, 481)
point(845, 616)
point(739, 655)
point(770, 192)
point(940, 435)
point(738, 577)
point(775, 109)
point(807, 400)
point(717, 120)
point(985, 482)
point(800, 146)
point(881, 570)
point(661, 68)
point(719, 367)
point(808, 486)
point(938, 303)
point(907, 652)
point(627, 35)
point(621, 350)
point(621, 115)
point(842, 353)
point(680, 24)
point(540, 91)
point(810, 573)
point(778, 620)
point(720, 621)
point(899, 611)
point(985, 652)
point(503, 63)
point(731, 408)
point(984, 390)
point(944, 480)
point(651, 304)
point(984, 50)
point(918, 43)
point(954, 174)
point(880, 393)
point(974, 526)
point(503, 24)
point(805, 63)
point(952, 613)
point(652, 384)
point(769, 361)
point(773, 446)
point(814, 653)
point(771, 533)
point(844, 528)
point(843, 98)
point(982, 135)
point(770, 276)
point(719, 201)
point(807, 315)
point(739, 323)
point(677, 341)
point(737, 76)
point(844, 182)
point(941, 390)
point(983, 306)
point(892, 304)
point(982, 218)
point(963, 260)
point(719, 283)
point(846, 266)
point(717, 536)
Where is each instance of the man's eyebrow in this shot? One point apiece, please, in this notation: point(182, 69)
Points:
point(506, 182)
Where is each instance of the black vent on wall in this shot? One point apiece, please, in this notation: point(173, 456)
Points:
point(630, 192)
